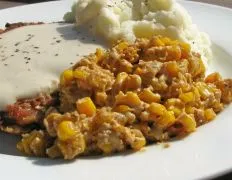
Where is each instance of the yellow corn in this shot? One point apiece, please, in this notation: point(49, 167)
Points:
point(203, 90)
point(172, 102)
point(187, 97)
point(163, 41)
point(209, 114)
point(99, 54)
point(122, 109)
point(189, 109)
point(196, 94)
point(79, 74)
point(130, 99)
point(138, 71)
point(156, 109)
point(106, 148)
point(158, 41)
point(86, 106)
point(66, 130)
point(175, 105)
point(185, 47)
point(148, 96)
point(166, 119)
point(66, 77)
point(211, 78)
point(133, 82)
point(101, 98)
point(121, 77)
point(172, 69)
point(188, 122)
point(126, 67)
point(122, 45)
point(174, 53)
point(139, 144)
point(176, 111)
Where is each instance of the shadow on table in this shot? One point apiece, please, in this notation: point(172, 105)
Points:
point(8, 144)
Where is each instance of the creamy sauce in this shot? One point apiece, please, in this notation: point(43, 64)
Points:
point(32, 58)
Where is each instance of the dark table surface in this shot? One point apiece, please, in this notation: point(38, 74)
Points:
point(226, 3)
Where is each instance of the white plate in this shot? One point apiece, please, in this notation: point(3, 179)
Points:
point(205, 153)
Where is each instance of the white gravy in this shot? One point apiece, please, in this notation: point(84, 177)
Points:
point(32, 58)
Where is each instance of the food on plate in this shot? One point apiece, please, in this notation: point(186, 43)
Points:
point(150, 86)
point(129, 96)
point(131, 19)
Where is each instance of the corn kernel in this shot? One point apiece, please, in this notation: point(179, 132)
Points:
point(211, 78)
point(172, 69)
point(122, 109)
point(133, 82)
point(106, 148)
point(203, 90)
point(126, 67)
point(185, 47)
point(167, 119)
point(122, 45)
point(121, 77)
point(101, 98)
point(156, 109)
point(174, 53)
point(196, 94)
point(66, 77)
point(99, 54)
point(130, 99)
point(157, 41)
point(79, 74)
point(138, 71)
point(166, 41)
point(176, 111)
point(148, 96)
point(189, 109)
point(175, 105)
point(187, 97)
point(137, 139)
point(86, 106)
point(209, 114)
point(66, 130)
point(188, 122)
point(139, 144)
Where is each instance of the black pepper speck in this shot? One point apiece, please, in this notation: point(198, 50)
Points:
point(16, 44)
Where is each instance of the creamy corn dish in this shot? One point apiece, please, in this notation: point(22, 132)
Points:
point(127, 97)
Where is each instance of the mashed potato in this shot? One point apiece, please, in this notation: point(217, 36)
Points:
point(131, 19)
